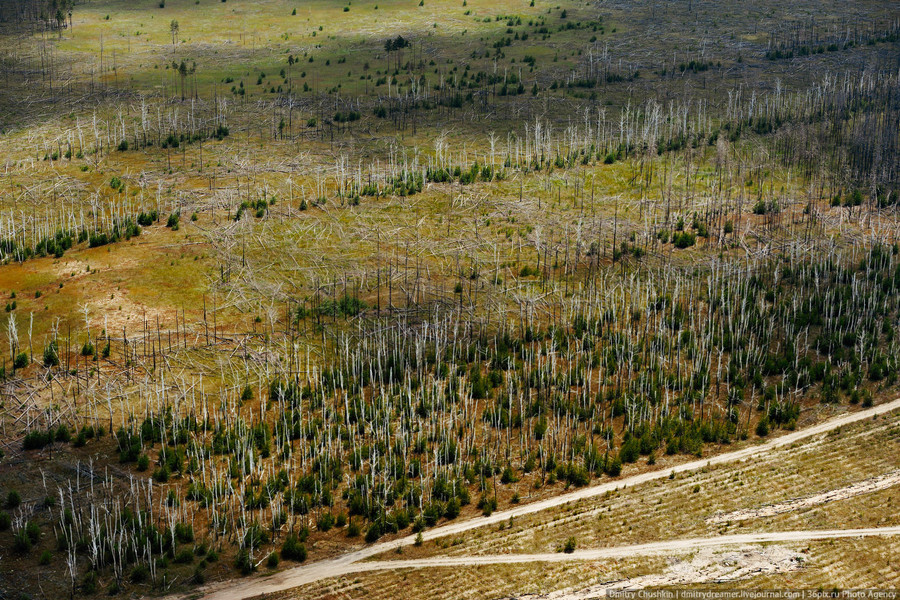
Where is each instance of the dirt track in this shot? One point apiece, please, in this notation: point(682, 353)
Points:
point(350, 562)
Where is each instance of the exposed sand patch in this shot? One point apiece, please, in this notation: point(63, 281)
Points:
point(872, 484)
point(709, 565)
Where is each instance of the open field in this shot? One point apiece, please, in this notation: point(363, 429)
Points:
point(289, 284)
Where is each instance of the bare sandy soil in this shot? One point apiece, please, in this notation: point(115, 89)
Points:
point(872, 484)
point(709, 565)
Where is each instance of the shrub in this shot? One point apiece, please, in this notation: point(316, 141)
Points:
point(353, 529)
point(347, 306)
point(63, 435)
point(184, 533)
point(145, 219)
point(614, 467)
point(243, 563)
point(452, 509)
point(139, 574)
point(683, 239)
point(185, 557)
point(292, 549)
point(33, 531)
point(13, 499)
point(508, 476)
point(569, 546)
point(51, 355)
point(487, 505)
point(198, 576)
point(161, 475)
point(89, 583)
point(325, 521)
point(373, 533)
point(35, 440)
point(21, 542)
point(629, 451)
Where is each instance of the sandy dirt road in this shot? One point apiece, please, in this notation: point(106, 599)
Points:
point(350, 562)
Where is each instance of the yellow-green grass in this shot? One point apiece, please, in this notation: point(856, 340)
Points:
point(242, 39)
point(448, 230)
point(120, 285)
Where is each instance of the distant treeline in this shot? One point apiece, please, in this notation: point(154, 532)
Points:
point(53, 13)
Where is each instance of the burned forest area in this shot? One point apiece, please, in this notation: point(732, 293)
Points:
point(447, 298)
